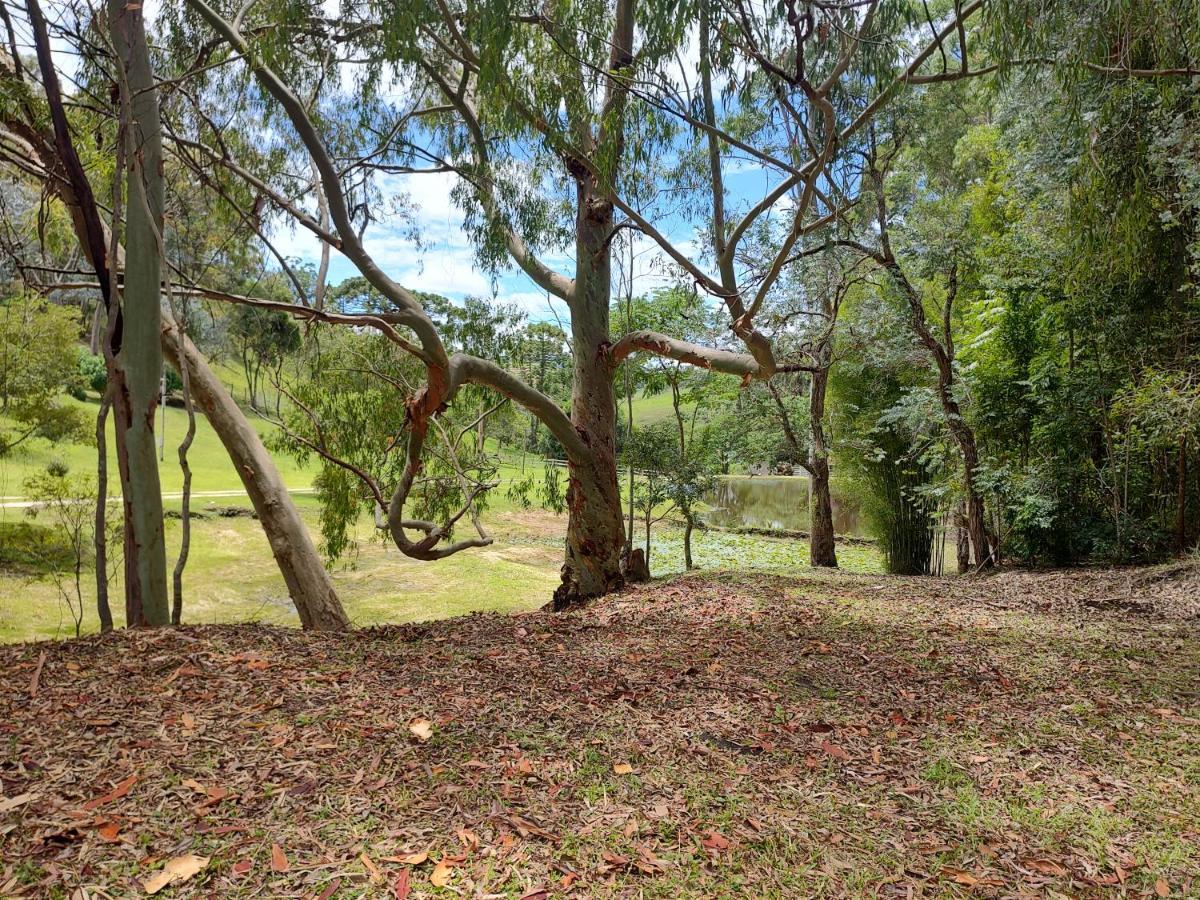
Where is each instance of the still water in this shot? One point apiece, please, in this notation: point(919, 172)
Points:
point(772, 502)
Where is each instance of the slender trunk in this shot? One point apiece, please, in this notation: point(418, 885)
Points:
point(1181, 502)
point(595, 526)
point(962, 541)
point(140, 357)
point(687, 542)
point(821, 548)
point(307, 580)
point(981, 554)
point(185, 527)
point(101, 523)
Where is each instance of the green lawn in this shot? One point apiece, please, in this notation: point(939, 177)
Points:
point(651, 410)
point(211, 468)
point(232, 577)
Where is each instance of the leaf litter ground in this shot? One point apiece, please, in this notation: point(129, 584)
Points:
point(1028, 734)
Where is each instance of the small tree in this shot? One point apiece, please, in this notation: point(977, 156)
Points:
point(669, 481)
point(69, 501)
point(264, 338)
point(38, 362)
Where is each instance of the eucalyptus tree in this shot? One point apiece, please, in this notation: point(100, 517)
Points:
point(135, 317)
point(40, 141)
point(133, 314)
point(553, 115)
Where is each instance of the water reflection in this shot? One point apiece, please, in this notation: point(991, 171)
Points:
point(772, 502)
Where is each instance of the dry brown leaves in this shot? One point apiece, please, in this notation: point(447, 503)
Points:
point(757, 736)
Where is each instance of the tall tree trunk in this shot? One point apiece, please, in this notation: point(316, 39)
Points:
point(307, 580)
point(821, 550)
point(100, 536)
point(299, 563)
point(981, 552)
point(140, 357)
point(595, 526)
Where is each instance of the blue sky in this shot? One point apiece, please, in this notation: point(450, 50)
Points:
point(445, 261)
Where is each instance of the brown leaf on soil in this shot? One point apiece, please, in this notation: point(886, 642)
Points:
point(376, 874)
point(959, 876)
point(14, 802)
point(1044, 866)
point(440, 876)
point(37, 675)
point(180, 868)
point(714, 840)
point(115, 794)
point(279, 860)
point(835, 751)
point(409, 859)
point(1162, 888)
point(421, 729)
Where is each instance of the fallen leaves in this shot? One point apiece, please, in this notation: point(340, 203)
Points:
point(179, 868)
point(409, 859)
point(35, 681)
point(14, 802)
point(421, 729)
point(440, 876)
point(1044, 866)
point(372, 869)
point(835, 751)
point(279, 860)
point(329, 753)
point(123, 788)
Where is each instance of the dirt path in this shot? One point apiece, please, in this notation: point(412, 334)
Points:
point(711, 736)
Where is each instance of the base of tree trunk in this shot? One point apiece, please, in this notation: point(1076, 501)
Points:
point(637, 571)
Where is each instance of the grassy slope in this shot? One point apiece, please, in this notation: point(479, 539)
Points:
point(707, 737)
point(211, 469)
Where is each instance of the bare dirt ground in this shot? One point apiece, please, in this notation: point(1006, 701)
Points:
point(1027, 734)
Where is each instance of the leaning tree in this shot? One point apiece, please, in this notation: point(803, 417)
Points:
point(40, 138)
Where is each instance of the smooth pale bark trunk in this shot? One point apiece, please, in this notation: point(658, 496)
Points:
point(140, 356)
point(821, 547)
point(299, 563)
point(595, 526)
point(307, 580)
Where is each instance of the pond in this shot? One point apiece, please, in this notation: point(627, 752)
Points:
point(772, 502)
